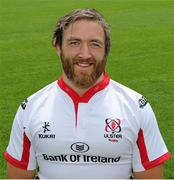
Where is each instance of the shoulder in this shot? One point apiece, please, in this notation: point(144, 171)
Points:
point(32, 105)
point(129, 95)
point(39, 96)
point(30, 108)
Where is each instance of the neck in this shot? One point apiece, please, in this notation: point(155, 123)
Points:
point(79, 91)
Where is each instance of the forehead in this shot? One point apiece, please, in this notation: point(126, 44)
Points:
point(85, 29)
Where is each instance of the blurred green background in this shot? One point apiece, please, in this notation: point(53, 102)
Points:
point(142, 55)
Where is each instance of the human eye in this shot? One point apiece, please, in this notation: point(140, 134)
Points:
point(74, 43)
point(95, 44)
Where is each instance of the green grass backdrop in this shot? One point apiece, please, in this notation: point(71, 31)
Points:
point(142, 55)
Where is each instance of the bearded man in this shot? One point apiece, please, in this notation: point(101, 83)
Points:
point(85, 125)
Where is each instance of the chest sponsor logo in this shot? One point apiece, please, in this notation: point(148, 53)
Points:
point(46, 129)
point(62, 158)
point(113, 130)
point(80, 147)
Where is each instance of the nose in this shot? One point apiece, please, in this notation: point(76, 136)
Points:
point(85, 52)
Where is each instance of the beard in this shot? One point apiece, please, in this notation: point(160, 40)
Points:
point(80, 79)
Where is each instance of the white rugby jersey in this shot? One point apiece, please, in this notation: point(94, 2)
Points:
point(107, 133)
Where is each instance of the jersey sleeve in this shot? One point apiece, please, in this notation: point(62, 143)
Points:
point(20, 152)
point(150, 149)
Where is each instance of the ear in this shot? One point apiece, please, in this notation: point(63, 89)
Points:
point(57, 47)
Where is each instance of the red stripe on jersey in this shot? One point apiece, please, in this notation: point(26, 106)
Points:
point(23, 163)
point(74, 96)
point(87, 95)
point(142, 148)
point(147, 164)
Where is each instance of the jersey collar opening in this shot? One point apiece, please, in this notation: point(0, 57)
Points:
point(88, 94)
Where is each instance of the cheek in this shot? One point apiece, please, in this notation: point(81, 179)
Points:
point(74, 52)
point(70, 52)
point(98, 55)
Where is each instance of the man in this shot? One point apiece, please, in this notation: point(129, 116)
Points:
point(85, 125)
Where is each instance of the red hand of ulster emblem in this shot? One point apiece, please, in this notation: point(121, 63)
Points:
point(113, 125)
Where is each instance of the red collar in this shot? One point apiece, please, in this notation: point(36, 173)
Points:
point(88, 94)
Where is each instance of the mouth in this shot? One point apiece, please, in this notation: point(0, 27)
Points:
point(84, 64)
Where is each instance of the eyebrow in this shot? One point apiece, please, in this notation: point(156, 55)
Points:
point(73, 39)
point(92, 40)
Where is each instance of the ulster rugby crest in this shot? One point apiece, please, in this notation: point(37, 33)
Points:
point(113, 130)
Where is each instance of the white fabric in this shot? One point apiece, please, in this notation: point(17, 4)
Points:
point(110, 145)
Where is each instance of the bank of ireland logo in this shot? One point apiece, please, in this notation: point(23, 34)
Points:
point(113, 129)
point(142, 102)
point(24, 104)
point(79, 147)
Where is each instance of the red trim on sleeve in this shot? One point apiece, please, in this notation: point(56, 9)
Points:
point(157, 161)
point(88, 94)
point(147, 164)
point(23, 163)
